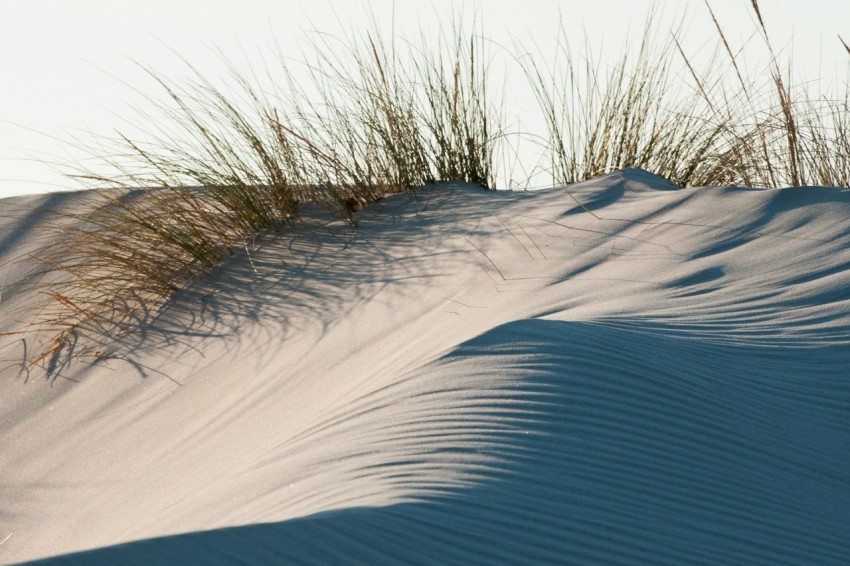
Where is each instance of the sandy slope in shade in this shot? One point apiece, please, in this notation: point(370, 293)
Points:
point(469, 377)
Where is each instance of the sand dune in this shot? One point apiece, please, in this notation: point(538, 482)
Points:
point(467, 377)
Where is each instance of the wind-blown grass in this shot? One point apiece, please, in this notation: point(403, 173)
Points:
point(634, 114)
point(644, 112)
point(776, 133)
point(392, 118)
point(229, 164)
point(221, 164)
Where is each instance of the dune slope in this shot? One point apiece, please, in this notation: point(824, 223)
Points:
point(467, 377)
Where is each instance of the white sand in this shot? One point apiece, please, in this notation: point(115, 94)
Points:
point(468, 377)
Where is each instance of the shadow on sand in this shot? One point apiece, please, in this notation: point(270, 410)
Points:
point(620, 444)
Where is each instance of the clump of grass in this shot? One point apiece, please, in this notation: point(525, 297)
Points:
point(462, 125)
point(113, 263)
point(216, 177)
point(643, 112)
point(393, 117)
point(634, 114)
point(776, 134)
point(229, 164)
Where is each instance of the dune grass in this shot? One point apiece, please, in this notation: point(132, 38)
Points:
point(633, 114)
point(376, 116)
point(223, 165)
point(774, 132)
point(718, 128)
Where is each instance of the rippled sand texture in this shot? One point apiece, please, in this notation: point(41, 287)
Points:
point(468, 377)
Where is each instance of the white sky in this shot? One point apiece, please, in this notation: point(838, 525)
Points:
point(62, 62)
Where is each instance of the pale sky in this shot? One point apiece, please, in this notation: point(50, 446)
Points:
point(66, 64)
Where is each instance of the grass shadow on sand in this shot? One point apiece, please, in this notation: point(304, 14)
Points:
point(295, 275)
